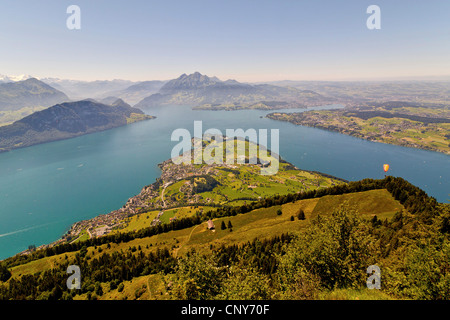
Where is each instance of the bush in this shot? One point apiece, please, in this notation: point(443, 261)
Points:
point(335, 250)
point(197, 277)
point(5, 274)
point(243, 283)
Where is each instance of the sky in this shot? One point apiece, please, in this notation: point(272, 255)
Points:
point(246, 40)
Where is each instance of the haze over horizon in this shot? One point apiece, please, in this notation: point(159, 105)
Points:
point(241, 40)
point(443, 78)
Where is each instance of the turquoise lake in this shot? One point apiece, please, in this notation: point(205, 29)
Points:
point(45, 188)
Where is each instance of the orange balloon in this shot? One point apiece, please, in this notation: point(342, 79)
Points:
point(385, 167)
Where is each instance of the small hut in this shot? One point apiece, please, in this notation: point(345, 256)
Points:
point(210, 224)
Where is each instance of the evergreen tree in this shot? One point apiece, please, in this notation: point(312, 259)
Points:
point(301, 215)
point(5, 274)
point(222, 225)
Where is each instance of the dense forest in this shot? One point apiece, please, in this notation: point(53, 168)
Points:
point(412, 249)
point(333, 253)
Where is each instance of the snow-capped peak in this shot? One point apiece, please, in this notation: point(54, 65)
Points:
point(4, 78)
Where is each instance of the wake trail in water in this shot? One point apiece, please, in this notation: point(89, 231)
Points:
point(24, 230)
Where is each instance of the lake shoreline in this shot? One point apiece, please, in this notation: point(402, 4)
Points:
point(77, 179)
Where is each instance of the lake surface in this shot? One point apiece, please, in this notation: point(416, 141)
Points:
point(46, 188)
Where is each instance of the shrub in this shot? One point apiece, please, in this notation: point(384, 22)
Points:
point(301, 215)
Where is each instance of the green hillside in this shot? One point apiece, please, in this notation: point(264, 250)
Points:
point(265, 249)
point(67, 120)
point(184, 190)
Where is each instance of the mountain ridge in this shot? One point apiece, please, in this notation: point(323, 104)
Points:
point(29, 93)
point(67, 120)
point(197, 89)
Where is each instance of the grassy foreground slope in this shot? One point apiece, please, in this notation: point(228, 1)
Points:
point(263, 223)
point(283, 247)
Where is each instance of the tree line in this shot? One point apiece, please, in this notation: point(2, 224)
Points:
point(108, 268)
point(412, 249)
point(411, 197)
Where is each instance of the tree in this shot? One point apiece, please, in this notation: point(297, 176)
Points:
point(335, 250)
point(5, 274)
point(279, 212)
point(301, 215)
point(83, 251)
point(245, 283)
point(98, 289)
point(229, 225)
point(222, 225)
point(197, 277)
point(292, 218)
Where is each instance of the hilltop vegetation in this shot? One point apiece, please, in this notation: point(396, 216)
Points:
point(325, 255)
point(394, 123)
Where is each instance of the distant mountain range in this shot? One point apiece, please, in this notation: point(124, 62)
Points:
point(67, 120)
point(197, 89)
point(29, 93)
point(136, 92)
point(129, 91)
point(201, 91)
point(98, 89)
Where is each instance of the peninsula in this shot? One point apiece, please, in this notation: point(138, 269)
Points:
point(409, 126)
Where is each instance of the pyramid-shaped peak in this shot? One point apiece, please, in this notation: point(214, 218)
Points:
point(188, 82)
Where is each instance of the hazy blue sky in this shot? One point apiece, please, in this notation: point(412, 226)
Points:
point(247, 40)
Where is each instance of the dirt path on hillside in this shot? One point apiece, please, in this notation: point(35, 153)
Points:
point(162, 193)
point(175, 252)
